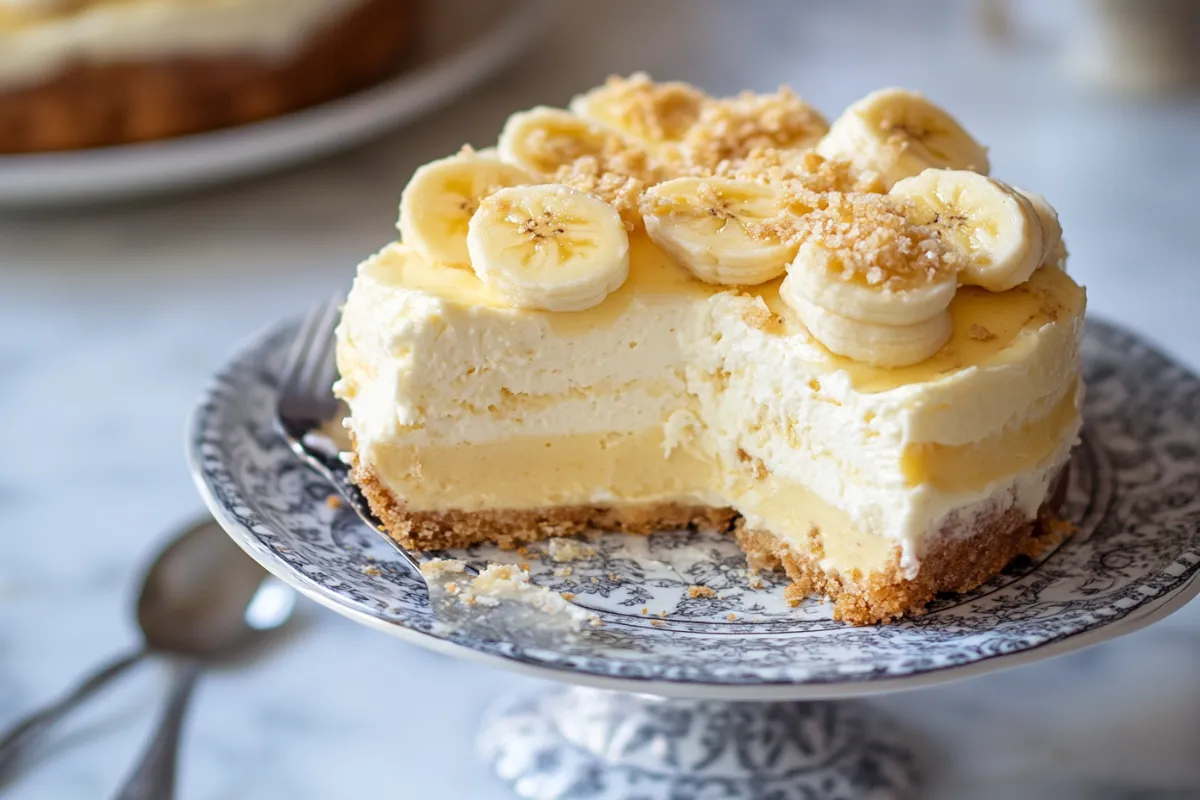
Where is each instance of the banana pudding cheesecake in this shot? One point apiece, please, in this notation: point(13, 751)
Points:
point(91, 73)
point(846, 344)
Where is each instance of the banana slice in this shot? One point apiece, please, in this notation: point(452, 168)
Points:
point(897, 133)
point(870, 343)
point(1051, 228)
point(438, 202)
point(549, 247)
point(994, 227)
point(719, 229)
point(645, 111)
point(820, 274)
point(543, 139)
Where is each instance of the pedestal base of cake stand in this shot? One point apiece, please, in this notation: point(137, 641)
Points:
point(587, 744)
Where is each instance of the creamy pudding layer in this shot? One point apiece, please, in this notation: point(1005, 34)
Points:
point(671, 391)
point(39, 38)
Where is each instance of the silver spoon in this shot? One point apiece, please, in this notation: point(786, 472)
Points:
point(202, 600)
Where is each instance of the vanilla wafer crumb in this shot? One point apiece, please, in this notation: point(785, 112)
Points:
point(618, 188)
point(563, 550)
point(874, 241)
point(657, 112)
point(980, 334)
point(732, 128)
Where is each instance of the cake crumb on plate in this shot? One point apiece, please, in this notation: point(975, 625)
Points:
point(562, 549)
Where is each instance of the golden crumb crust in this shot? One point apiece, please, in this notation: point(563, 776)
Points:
point(98, 105)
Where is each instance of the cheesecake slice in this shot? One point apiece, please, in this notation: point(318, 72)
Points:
point(844, 344)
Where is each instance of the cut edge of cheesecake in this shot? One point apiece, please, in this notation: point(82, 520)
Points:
point(862, 394)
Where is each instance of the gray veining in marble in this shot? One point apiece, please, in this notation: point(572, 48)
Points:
point(112, 318)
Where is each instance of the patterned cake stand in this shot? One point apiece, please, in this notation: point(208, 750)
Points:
point(733, 694)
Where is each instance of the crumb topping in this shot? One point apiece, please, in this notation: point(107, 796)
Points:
point(733, 128)
point(620, 188)
point(873, 242)
point(656, 112)
point(758, 316)
point(801, 175)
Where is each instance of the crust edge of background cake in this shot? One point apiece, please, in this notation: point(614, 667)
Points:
point(96, 105)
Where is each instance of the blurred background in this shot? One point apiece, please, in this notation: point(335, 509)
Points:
point(113, 315)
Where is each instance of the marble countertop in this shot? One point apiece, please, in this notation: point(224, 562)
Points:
point(112, 319)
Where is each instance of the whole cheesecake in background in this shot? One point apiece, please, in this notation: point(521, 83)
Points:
point(92, 73)
point(844, 343)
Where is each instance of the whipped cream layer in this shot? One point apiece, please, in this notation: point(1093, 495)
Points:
point(673, 390)
point(39, 38)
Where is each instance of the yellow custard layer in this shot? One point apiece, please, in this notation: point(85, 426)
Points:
point(961, 468)
point(531, 471)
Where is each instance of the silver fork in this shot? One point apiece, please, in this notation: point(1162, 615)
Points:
point(306, 404)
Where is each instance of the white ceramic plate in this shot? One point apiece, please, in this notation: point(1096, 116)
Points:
point(1134, 495)
point(462, 43)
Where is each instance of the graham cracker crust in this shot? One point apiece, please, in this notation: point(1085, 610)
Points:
point(98, 105)
point(958, 565)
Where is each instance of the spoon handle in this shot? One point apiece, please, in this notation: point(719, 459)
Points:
point(22, 737)
point(154, 776)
